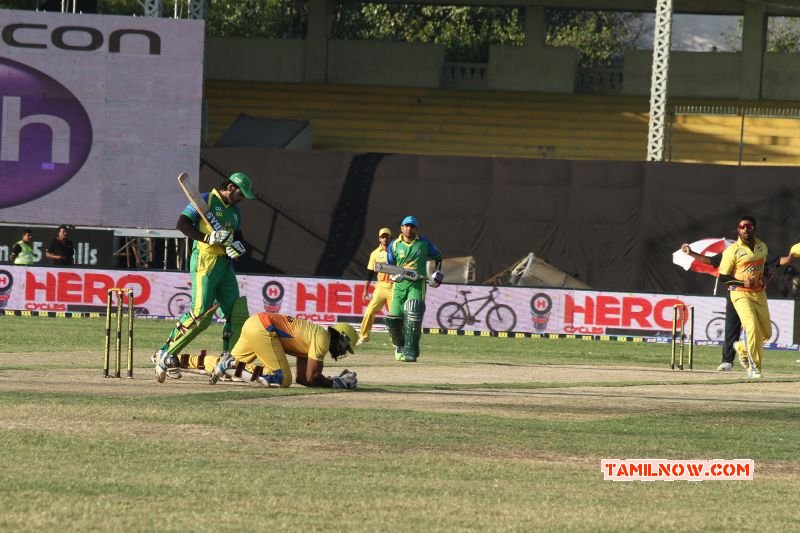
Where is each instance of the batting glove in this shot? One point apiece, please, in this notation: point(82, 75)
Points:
point(345, 380)
point(235, 250)
point(436, 279)
point(222, 237)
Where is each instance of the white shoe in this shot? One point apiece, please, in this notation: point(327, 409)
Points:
point(754, 373)
point(226, 361)
point(724, 367)
point(161, 366)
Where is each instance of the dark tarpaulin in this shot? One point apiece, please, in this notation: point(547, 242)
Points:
point(612, 224)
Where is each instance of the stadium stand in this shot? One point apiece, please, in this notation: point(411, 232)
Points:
point(361, 118)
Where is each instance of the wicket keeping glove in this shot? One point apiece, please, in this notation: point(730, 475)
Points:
point(222, 237)
point(436, 279)
point(345, 380)
point(235, 250)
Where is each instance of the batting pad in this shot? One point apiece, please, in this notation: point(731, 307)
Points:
point(239, 313)
point(412, 331)
point(188, 328)
point(395, 326)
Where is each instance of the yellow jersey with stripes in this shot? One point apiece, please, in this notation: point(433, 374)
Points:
point(743, 263)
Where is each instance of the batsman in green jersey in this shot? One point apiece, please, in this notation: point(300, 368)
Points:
point(212, 272)
point(404, 321)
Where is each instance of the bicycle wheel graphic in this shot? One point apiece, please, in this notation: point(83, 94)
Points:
point(715, 330)
point(775, 332)
point(501, 318)
point(451, 316)
point(179, 304)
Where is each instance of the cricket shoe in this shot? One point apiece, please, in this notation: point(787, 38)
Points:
point(754, 373)
point(172, 372)
point(725, 367)
point(408, 358)
point(160, 358)
point(398, 353)
point(741, 351)
point(226, 361)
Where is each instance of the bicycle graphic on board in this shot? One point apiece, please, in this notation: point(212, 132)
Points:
point(499, 317)
point(715, 329)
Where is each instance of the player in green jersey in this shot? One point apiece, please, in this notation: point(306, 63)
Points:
point(211, 270)
point(404, 321)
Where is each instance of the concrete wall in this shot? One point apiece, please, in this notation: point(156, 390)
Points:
point(385, 63)
point(781, 80)
point(691, 74)
point(253, 59)
point(533, 68)
point(515, 68)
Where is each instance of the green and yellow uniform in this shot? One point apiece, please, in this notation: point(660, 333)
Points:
point(414, 255)
point(211, 270)
point(745, 263)
point(407, 309)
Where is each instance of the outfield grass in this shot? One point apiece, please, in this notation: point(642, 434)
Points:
point(408, 451)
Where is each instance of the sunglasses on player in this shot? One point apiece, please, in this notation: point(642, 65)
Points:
point(746, 225)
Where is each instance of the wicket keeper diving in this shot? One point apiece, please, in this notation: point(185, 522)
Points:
point(212, 272)
point(267, 338)
point(407, 309)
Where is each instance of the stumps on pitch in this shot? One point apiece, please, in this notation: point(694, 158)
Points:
point(120, 293)
point(682, 319)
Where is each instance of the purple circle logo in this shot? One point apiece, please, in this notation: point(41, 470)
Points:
point(45, 134)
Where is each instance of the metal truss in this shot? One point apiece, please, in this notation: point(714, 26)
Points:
point(153, 8)
point(198, 9)
point(659, 80)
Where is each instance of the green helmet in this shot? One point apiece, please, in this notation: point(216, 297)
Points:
point(348, 331)
point(241, 180)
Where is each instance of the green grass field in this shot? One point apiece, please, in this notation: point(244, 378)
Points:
point(482, 434)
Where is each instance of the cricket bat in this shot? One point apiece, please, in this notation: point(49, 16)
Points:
point(197, 201)
point(395, 270)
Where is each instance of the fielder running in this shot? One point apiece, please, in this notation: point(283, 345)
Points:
point(404, 321)
point(267, 338)
point(745, 261)
point(383, 288)
point(211, 270)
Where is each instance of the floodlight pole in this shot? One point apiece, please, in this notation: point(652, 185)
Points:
point(659, 80)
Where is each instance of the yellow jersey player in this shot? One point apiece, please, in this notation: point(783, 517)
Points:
point(743, 267)
point(407, 309)
point(267, 338)
point(383, 288)
point(794, 253)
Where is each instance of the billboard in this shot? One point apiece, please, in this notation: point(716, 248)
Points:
point(452, 307)
point(98, 114)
